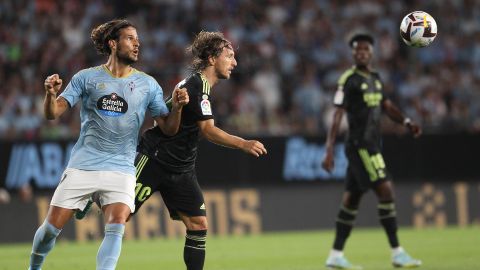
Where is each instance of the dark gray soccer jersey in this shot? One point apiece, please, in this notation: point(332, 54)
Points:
point(361, 95)
point(178, 153)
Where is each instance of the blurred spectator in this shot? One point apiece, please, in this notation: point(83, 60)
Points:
point(273, 93)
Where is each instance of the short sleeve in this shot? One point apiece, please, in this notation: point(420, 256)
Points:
point(200, 102)
point(74, 90)
point(156, 104)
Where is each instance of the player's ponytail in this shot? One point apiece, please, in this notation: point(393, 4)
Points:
point(103, 33)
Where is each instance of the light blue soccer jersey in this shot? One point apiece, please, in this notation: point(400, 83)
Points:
point(112, 112)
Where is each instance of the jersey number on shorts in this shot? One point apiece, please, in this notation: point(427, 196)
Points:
point(374, 164)
point(142, 192)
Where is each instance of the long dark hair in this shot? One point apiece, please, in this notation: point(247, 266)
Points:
point(108, 31)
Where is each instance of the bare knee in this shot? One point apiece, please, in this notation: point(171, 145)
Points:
point(384, 191)
point(352, 200)
point(116, 213)
point(58, 216)
point(195, 223)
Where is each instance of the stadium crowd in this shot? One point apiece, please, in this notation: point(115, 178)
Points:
point(290, 56)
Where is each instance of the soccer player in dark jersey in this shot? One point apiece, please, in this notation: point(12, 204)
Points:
point(360, 95)
point(167, 163)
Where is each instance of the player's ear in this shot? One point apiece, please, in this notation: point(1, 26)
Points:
point(211, 60)
point(112, 44)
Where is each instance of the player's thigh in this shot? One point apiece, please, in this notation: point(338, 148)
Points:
point(182, 194)
point(75, 188)
point(117, 187)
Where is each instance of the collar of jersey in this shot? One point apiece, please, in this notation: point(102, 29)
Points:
point(361, 73)
point(111, 74)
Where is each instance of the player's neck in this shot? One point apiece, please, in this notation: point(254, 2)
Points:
point(210, 75)
point(118, 69)
point(363, 68)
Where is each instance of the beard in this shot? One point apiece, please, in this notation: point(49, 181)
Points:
point(221, 76)
point(125, 58)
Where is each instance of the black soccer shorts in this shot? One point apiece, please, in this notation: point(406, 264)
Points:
point(180, 191)
point(366, 168)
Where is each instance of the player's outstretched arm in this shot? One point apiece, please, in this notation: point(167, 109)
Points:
point(171, 123)
point(328, 160)
point(220, 137)
point(53, 107)
point(396, 115)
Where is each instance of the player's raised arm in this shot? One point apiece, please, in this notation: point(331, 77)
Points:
point(396, 115)
point(53, 107)
point(220, 137)
point(170, 124)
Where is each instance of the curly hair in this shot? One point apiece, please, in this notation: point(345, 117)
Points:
point(108, 31)
point(206, 45)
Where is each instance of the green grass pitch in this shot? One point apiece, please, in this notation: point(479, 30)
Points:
point(452, 248)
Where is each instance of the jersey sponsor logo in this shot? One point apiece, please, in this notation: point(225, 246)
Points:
point(112, 105)
point(206, 107)
point(372, 99)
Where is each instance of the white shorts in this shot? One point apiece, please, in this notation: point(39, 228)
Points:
point(77, 186)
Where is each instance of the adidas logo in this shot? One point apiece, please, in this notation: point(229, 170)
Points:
point(202, 207)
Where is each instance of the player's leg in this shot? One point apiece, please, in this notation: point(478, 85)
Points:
point(117, 200)
point(388, 219)
point(343, 226)
point(184, 199)
point(69, 195)
point(357, 182)
point(46, 235)
point(195, 240)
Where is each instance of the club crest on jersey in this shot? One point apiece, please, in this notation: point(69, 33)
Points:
point(205, 106)
point(101, 86)
point(112, 105)
point(131, 86)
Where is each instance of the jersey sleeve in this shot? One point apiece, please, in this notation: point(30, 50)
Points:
point(74, 90)
point(200, 102)
point(343, 87)
point(156, 104)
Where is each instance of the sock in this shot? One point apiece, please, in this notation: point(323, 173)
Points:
point(397, 250)
point(335, 253)
point(344, 224)
point(111, 246)
point(194, 250)
point(43, 242)
point(388, 219)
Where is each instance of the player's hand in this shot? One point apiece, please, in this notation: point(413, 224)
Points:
point(180, 98)
point(328, 162)
point(415, 129)
point(52, 84)
point(254, 147)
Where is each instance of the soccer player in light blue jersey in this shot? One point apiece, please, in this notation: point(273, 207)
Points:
point(115, 97)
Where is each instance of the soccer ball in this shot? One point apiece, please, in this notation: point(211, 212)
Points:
point(418, 29)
